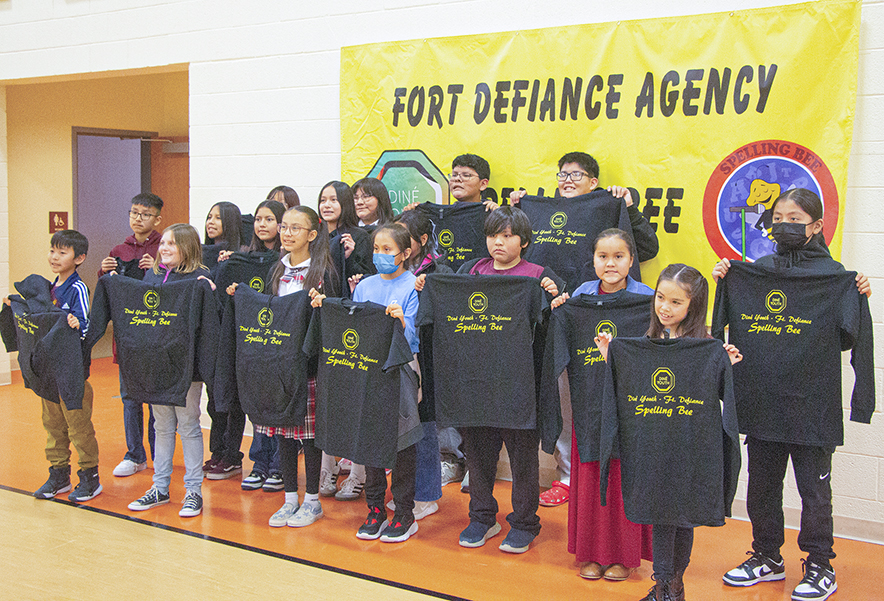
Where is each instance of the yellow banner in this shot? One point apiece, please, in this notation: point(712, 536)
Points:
point(707, 118)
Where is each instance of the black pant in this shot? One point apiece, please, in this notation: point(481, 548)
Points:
point(288, 464)
point(482, 449)
point(225, 435)
point(401, 484)
point(764, 499)
point(672, 550)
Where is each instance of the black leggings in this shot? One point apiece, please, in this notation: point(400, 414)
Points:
point(672, 550)
point(288, 463)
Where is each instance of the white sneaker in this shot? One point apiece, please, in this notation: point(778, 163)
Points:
point(424, 508)
point(350, 489)
point(281, 517)
point(308, 513)
point(421, 508)
point(452, 471)
point(127, 467)
point(328, 482)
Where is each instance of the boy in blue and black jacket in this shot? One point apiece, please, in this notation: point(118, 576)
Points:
point(66, 418)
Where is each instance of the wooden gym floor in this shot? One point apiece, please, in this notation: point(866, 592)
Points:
point(54, 549)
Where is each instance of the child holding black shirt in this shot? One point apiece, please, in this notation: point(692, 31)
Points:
point(507, 235)
point(65, 425)
point(797, 230)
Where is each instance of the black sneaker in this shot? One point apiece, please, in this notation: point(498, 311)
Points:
point(59, 482)
point(758, 568)
point(373, 525)
point(224, 470)
point(818, 582)
point(89, 486)
point(273, 483)
point(192, 506)
point(253, 481)
point(151, 498)
point(399, 529)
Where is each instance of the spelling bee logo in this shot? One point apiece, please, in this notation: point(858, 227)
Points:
point(265, 317)
point(478, 302)
point(151, 299)
point(256, 284)
point(663, 380)
point(558, 220)
point(737, 214)
point(446, 238)
point(775, 301)
point(350, 338)
point(606, 326)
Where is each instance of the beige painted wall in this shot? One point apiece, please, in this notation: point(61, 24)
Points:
point(40, 166)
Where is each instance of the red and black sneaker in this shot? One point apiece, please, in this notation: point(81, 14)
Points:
point(373, 525)
point(399, 530)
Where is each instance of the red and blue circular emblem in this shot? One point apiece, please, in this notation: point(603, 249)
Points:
point(747, 182)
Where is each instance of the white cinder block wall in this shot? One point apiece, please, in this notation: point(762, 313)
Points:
point(264, 110)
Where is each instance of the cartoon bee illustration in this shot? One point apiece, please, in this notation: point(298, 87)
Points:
point(764, 194)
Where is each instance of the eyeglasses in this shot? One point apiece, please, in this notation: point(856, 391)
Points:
point(141, 216)
point(361, 198)
point(461, 176)
point(294, 229)
point(575, 176)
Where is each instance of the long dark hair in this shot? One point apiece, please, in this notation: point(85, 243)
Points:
point(321, 274)
point(348, 218)
point(697, 289)
point(278, 209)
point(231, 226)
point(375, 187)
point(288, 194)
point(418, 225)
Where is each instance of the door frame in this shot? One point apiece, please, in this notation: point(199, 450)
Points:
point(123, 134)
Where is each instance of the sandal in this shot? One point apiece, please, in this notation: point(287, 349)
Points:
point(557, 495)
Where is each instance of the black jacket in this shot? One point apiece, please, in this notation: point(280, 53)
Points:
point(261, 364)
point(50, 352)
point(359, 261)
point(166, 334)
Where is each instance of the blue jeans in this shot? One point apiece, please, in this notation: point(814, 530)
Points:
point(133, 424)
point(186, 420)
point(264, 454)
point(428, 472)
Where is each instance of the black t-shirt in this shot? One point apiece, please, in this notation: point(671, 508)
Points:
point(482, 348)
point(569, 343)
point(166, 334)
point(791, 326)
point(565, 230)
point(358, 383)
point(670, 404)
point(459, 230)
point(260, 358)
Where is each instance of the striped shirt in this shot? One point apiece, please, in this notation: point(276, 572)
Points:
point(72, 295)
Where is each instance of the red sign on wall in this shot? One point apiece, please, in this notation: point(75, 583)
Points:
point(58, 220)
